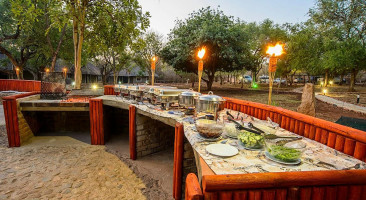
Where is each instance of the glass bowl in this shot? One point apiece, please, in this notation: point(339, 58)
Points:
point(209, 128)
point(276, 150)
point(250, 140)
point(230, 130)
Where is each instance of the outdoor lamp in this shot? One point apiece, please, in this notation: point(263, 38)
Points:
point(65, 71)
point(274, 52)
point(17, 70)
point(154, 59)
point(330, 83)
point(325, 91)
point(200, 54)
point(94, 86)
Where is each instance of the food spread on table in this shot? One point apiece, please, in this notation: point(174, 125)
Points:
point(262, 146)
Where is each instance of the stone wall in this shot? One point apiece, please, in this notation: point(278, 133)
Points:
point(152, 136)
point(25, 131)
point(189, 163)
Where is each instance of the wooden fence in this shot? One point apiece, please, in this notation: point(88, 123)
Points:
point(20, 85)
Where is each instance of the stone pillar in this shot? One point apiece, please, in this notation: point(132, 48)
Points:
point(307, 105)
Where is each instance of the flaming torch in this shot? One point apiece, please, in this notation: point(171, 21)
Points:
point(154, 59)
point(47, 70)
point(17, 70)
point(200, 55)
point(274, 52)
point(65, 71)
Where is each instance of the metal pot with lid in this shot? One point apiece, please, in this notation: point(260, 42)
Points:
point(188, 98)
point(210, 103)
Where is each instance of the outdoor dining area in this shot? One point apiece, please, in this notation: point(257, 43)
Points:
point(224, 148)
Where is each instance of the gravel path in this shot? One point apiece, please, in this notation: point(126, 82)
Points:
point(64, 168)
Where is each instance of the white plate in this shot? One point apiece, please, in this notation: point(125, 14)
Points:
point(223, 150)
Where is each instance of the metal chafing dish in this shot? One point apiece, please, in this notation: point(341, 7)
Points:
point(166, 97)
point(149, 93)
point(122, 89)
point(188, 99)
point(210, 104)
point(135, 91)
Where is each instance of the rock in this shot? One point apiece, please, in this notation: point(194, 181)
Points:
point(3, 196)
point(66, 185)
point(67, 191)
point(307, 105)
point(77, 185)
point(39, 185)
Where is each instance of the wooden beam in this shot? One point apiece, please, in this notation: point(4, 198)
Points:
point(54, 109)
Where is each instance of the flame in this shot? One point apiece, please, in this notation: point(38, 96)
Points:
point(17, 69)
point(275, 50)
point(201, 52)
point(47, 70)
point(154, 58)
point(65, 69)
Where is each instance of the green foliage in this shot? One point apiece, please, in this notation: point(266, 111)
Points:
point(145, 47)
point(220, 34)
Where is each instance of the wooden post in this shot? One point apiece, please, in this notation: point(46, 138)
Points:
point(96, 121)
point(132, 131)
point(11, 119)
point(178, 161)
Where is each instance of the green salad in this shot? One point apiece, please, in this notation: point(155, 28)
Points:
point(284, 153)
point(251, 140)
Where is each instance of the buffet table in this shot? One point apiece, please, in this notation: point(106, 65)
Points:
point(317, 157)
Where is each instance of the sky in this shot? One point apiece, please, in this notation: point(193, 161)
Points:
point(165, 12)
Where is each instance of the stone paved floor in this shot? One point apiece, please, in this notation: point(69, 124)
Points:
point(64, 168)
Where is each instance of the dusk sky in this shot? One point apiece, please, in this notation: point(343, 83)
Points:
point(164, 12)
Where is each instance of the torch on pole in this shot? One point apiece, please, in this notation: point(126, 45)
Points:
point(17, 70)
point(274, 52)
point(153, 61)
point(200, 55)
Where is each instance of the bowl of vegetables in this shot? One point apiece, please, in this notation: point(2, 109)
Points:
point(283, 154)
point(231, 131)
point(250, 140)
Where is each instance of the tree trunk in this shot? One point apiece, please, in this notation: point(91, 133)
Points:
point(221, 79)
point(55, 53)
point(353, 80)
point(78, 37)
point(341, 79)
point(326, 78)
point(253, 78)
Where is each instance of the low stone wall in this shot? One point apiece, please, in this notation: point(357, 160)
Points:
point(189, 163)
point(152, 136)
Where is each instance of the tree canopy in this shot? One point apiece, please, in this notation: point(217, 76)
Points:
point(210, 28)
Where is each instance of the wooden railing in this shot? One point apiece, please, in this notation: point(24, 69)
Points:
point(109, 90)
point(342, 138)
point(11, 117)
point(20, 85)
point(339, 184)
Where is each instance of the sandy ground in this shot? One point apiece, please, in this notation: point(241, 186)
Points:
point(64, 168)
point(60, 167)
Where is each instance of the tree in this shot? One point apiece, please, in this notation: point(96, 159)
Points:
point(220, 34)
point(343, 24)
point(17, 39)
point(94, 15)
point(147, 46)
point(260, 35)
point(115, 28)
